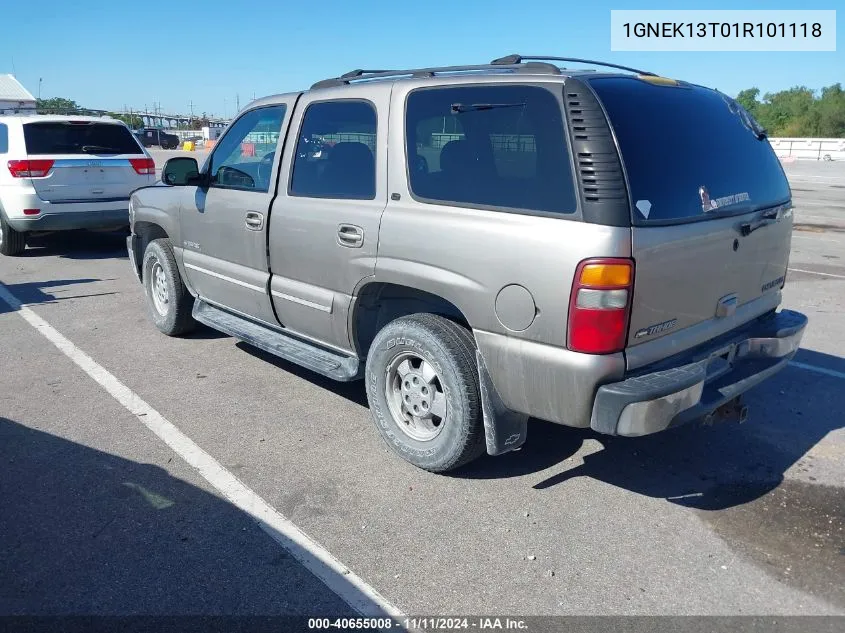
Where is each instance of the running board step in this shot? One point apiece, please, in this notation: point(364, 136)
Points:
point(317, 359)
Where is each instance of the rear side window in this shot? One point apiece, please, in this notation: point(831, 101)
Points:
point(4, 138)
point(689, 152)
point(79, 138)
point(336, 151)
point(489, 146)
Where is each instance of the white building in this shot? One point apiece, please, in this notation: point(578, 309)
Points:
point(14, 97)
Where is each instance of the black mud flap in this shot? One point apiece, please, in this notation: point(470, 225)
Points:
point(133, 243)
point(504, 430)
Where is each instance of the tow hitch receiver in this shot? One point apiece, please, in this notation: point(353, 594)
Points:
point(728, 412)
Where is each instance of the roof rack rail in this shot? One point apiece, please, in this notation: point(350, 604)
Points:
point(511, 60)
point(362, 75)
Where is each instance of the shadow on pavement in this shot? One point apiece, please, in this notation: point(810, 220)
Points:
point(87, 532)
point(37, 291)
point(697, 466)
point(352, 391)
point(707, 468)
point(78, 244)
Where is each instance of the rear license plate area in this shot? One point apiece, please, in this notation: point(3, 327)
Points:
point(95, 175)
point(720, 362)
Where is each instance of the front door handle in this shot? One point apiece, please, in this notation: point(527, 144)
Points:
point(254, 221)
point(350, 236)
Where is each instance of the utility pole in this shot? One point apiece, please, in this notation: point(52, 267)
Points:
point(39, 88)
point(238, 103)
point(191, 106)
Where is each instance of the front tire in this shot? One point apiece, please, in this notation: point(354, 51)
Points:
point(168, 300)
point(12, 242)
point(423, 391)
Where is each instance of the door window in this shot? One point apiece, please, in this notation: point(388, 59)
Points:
point(243, 159)
point(335, 151)
point(500, 147)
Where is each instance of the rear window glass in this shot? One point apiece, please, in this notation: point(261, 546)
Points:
point(79, 138)
point(4, 138)
point(689, 152)
point(489, 146)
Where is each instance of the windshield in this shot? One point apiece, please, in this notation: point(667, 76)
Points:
point(79, 138)
point(690, 153)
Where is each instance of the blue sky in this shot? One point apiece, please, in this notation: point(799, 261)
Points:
point(212, 52)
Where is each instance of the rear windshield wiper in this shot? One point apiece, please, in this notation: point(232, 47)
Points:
point(99, 149)
point(475, 107)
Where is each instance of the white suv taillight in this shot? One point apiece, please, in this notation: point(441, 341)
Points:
point(600, 305)
point(30, 168)
point(143, 166)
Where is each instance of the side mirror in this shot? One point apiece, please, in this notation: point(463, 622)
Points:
point(181, 171)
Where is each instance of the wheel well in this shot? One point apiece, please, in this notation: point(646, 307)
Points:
point(380, 303)
point(146, 232)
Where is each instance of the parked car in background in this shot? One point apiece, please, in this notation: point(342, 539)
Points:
point(66, 172)
point(486, 244)
point(153, 136)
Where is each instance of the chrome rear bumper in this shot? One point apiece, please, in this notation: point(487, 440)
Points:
point(701, 382)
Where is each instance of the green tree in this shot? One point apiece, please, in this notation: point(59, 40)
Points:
point(57, 105)
point(131, 120)
point(789, 112)
point(831, 112)
point(748, 100)
point(799, 111)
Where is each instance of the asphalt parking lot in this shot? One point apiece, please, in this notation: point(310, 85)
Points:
point(99, 516)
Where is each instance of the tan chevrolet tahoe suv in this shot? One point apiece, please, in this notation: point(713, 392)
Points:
point(484, 244)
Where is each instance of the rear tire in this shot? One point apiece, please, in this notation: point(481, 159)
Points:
point(423, 391)
point(168, 300)
point(12, 242)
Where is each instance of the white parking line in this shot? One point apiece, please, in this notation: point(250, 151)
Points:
point(812, 236)
point(818, 370)
point(815, 272)
point(800, 177)
point(800, 215)
point(319, 561)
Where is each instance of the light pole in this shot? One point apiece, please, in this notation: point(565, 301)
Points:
point(39, 88)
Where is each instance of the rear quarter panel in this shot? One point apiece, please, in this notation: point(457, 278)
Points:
point(469, 256)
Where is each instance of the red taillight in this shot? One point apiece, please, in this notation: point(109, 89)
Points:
point(30, 168)
point(31, 211)
point(600, 305)
point(143, 166)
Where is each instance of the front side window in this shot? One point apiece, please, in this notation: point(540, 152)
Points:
point(489, 146)
point(336, 151)
point(243, 159)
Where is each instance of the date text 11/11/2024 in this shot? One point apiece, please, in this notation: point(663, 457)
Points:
point(420, 623)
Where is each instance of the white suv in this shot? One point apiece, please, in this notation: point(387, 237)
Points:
point(66, 172)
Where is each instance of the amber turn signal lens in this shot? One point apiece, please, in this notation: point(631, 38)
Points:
point(604, 275)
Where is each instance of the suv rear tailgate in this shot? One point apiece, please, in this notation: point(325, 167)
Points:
point(91, 161)
point(711, 214)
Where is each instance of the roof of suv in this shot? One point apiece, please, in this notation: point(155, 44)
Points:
point(46, 118)
point(523, 65)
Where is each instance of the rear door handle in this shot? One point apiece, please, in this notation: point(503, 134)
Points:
point(254, 221)
point(350, 235)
